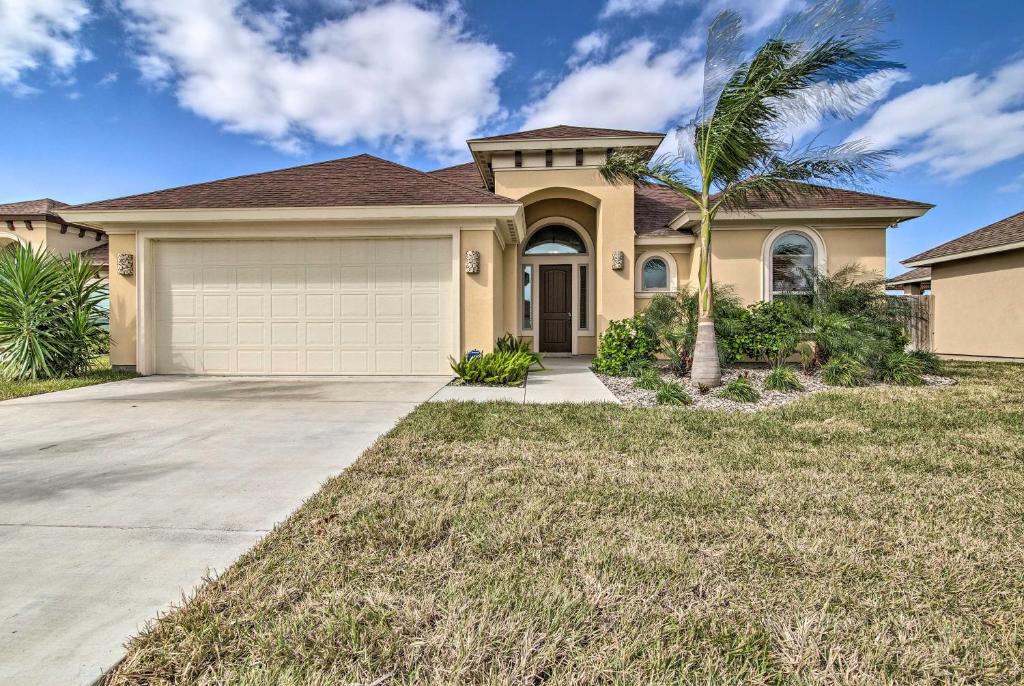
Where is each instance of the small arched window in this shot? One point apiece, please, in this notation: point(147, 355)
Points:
point(793, 264)
point(555, 240)
point(654, 275)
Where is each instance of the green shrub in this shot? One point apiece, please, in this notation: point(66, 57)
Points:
point(807, 351)
point(671, 393)
point(493, 369)
point(52, 324)
point(648, 379)
point(638, 367)
point(844, 370)
point(510, 344)
point(900, 368)
point(930, 362)
point(771, 332)
point(624, 343)
point(782, 379)
point(740, 390)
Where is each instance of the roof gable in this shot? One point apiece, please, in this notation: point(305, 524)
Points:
point(1005, 232)
point(465, 174)
point(362, 180)
point(31, 207)
point(563, 131)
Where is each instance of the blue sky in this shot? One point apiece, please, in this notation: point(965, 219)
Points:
point(101, 98)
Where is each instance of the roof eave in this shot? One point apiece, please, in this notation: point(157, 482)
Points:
point(919, 261)
point(893, 215)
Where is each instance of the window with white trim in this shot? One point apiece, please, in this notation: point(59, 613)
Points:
point(654, 274)
point(793, 262)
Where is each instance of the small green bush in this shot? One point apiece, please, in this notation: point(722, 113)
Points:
point(493, 369)
point(782, 379)
point(740, 390)
point(510, 344)
point(648, 379)
point(930, 362)
point(671, 393)
point(624, 343)
point(771, 332)
point(900, 368)
point(844, 370)
point(638, 367)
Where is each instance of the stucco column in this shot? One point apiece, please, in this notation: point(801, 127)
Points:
point(614, 232)
point(122, 305)
point(483, 293)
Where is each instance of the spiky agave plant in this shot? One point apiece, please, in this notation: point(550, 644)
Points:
point(735, 148)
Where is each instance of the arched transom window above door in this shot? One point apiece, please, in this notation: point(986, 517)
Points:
point(555, 239)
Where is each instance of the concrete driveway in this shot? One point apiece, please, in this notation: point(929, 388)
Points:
point(117, 499)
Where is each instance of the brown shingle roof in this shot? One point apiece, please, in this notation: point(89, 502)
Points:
point(564, 131)
point(654, 207)
point(913, 276)
point(362, 180)
point(31, 207)
point(466, 174)
point(1003, 232)
point(813, 196)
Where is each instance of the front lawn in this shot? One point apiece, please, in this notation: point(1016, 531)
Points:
point(101, 373)
point(859, 536)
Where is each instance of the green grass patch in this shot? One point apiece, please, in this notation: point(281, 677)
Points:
point(866, 536)
point(100, 373)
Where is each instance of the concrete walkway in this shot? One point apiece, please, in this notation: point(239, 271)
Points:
point(116, 499)
point(566, 380)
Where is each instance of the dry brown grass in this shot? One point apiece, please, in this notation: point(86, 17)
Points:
point(858, 537)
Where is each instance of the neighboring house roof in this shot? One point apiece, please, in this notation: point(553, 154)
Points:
point(466, 174)
point(919, 275)
point(362, 180)
point(1005, 234)
point(99, 256)
point(565, 131)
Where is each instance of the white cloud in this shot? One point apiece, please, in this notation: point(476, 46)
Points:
point(39, 33)
point(392, 73)
point(638, 88)
point(594, 43)
point(955, 127)
point(757, 14)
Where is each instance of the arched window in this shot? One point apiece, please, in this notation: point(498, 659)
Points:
point(654, 275)
point(555, 240)
point(793, 263)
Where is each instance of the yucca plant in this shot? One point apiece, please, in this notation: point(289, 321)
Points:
point(510, 344)
point(844, 370)
point(900, 368)
point(735, 148)
point(493, 369)
point(782, 379)
point(740, 390)
point(51, 322)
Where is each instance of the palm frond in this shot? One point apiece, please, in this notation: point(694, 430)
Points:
point(665, 170)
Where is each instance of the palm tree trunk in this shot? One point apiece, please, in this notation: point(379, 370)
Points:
point(706, 367)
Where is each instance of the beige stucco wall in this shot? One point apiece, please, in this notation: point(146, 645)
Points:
point(979, 309)
point(483, 312)
point(122, 306)
point(737, 255)
point(47, 235)
point(613, 230)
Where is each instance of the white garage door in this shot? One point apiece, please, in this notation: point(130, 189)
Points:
point(376, 306)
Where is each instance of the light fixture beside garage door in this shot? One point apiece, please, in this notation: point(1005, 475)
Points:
point(472, 261)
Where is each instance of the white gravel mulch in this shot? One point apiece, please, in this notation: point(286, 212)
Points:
point(624, 388)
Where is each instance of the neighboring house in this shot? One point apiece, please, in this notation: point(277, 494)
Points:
point(914, 282)
point(976, 284)
point(99, 256)
point(364, 266)
point(38, 224)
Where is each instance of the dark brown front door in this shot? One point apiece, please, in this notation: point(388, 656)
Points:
point(556, 308)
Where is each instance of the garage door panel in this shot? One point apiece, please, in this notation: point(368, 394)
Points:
point(303, 307)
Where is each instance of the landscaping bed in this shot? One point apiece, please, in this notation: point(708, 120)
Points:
point(99, 373)
point(625, 389)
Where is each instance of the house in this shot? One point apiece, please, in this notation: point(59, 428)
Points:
point(37, 223)
point(976, 282)
point(914, 282)
point(364, 266)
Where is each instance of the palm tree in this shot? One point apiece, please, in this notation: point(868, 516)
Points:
point(824, 62)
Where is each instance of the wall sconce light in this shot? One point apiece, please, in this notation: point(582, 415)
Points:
point(472, 261)
point(618, 260)
point(126, 264)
